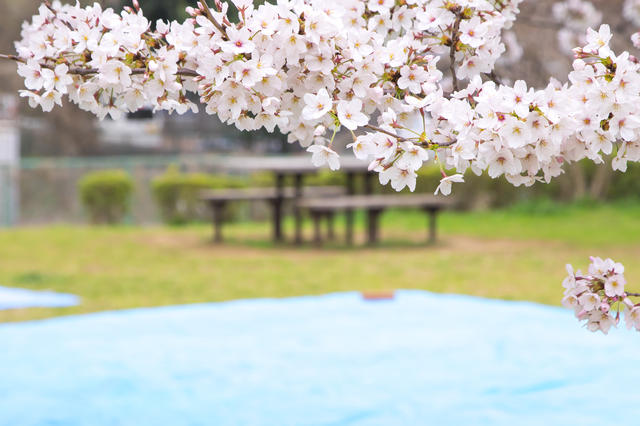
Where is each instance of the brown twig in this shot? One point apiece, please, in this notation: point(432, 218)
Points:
point(632, 294)
point(452, 50)
point(12, 58)
point(418, 143)
point(445, 144)
point(213, 20)
point(386, 132)
point(494, 77)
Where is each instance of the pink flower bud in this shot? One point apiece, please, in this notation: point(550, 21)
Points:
point(378, 93)
point(604, 307)
point(375, 163)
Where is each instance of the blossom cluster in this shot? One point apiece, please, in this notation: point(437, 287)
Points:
point(311, 67)
point(528, 134)
point(303, 67)
point(594, 296)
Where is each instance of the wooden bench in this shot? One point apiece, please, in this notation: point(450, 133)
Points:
point(218, 198)
point(374, 204)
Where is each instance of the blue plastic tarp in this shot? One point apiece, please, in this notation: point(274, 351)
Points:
point(14, 298)
point(421, 359)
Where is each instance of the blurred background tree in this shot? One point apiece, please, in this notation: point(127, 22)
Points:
point(63, 131)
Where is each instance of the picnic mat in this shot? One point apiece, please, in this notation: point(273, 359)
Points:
point(14, 298)
point(420, 359)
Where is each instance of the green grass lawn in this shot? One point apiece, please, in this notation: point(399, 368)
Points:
point(516, 254)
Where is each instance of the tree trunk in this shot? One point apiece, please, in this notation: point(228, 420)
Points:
point(578, 181)
point(601, 181)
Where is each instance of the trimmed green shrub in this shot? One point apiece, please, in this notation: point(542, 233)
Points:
point(262, 180)
point(105, 195)
point(177, 194)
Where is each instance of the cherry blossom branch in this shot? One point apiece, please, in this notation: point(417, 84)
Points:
point(401, 139)
point(265, 91)
point(210, 17)
point(593, 297)
point(186, 72)
point(386, 132)
point(12, 58)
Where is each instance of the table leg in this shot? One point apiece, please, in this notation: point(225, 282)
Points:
point(330, 228)
point(371, 214)
point(297, 211)
point(277, 208)
point(368, 182)
point(372, 225)
point(218, 215)
point(317, 231)
point(432, 225)
point(348, 213)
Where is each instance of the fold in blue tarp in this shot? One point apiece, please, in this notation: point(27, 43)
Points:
point(421, 359)
point(14, 298)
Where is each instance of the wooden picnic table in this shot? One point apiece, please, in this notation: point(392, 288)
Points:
point(218, 199)
point(374, 204)
point(299, 167)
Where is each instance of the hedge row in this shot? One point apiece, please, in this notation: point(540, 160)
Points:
point(105, 195)
point(177, 194)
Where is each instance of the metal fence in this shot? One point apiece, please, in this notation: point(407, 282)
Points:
point(9, 196)
point(44, 190)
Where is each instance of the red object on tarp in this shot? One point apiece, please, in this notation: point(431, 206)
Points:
point(378, 295)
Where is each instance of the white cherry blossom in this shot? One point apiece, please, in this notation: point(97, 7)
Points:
point(350, 115)
point(316, 105)
point(399, 177)
point(446, 183)
point(322, 155)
